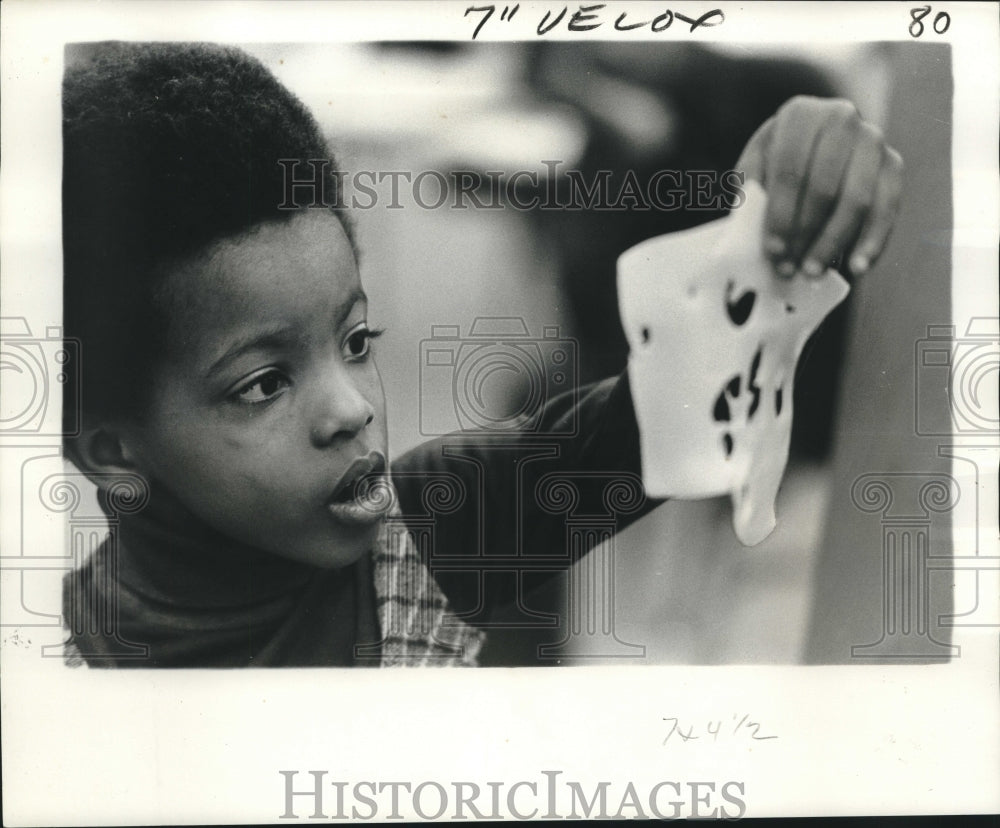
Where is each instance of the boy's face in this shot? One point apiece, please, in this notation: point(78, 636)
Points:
point(269, 401)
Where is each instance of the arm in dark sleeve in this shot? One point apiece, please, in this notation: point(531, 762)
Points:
point(489, 508)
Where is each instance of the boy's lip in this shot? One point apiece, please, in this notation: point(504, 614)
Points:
point(371, 463)
point(361, 496)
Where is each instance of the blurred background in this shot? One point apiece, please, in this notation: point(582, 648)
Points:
point(685, 589)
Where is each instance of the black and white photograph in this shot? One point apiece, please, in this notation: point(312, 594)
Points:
point(643, 358)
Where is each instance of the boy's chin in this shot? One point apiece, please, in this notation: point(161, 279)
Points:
point(347, 548)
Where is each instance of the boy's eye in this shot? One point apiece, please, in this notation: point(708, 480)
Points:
point(262, 388)
point(358, 342)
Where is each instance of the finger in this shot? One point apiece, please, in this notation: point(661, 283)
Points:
point(831, 156)
point(857, 194)
point(882, 216)
point(786, 164)
point(751, 162)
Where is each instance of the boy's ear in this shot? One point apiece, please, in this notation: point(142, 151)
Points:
point(102, 451)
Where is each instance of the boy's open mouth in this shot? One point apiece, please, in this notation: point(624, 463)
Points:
point(363, 494)
point(358, 476)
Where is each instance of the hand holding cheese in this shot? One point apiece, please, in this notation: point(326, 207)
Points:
point(714, 340)
point(715, 336)
point(833, 186)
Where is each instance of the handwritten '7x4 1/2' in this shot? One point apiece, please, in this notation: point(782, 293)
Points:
point(686, 732)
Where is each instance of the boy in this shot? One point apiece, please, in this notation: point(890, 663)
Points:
point(227, 366)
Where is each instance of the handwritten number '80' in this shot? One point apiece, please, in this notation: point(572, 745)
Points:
point(942, 20)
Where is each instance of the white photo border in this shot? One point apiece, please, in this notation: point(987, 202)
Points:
point(161, 747)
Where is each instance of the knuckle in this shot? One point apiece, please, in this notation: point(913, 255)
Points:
point(872, 246)
point(846, 112)
point(824, 252)
point(872, 133)
point(894, 160)
point(856, 199)
point(824, 190)
point(799, 102)
point(788, 177)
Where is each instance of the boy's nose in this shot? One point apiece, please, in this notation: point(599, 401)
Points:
point(342, 412)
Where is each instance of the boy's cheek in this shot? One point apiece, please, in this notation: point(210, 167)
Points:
point(219, 474)
point(242, 509)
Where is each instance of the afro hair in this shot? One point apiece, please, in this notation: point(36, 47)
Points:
point(167, 148)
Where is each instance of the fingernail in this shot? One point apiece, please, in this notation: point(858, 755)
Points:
point(774, 245)
point(859, 263)
point(812, 268)
point(786, 269)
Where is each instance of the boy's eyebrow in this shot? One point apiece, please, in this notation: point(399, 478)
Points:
point(356, 295)
point(281, 336)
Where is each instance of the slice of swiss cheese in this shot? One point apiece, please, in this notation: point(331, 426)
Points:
point(715, 336)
